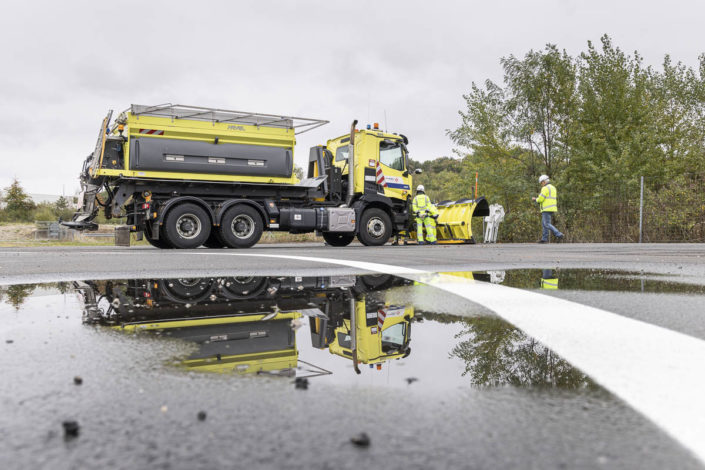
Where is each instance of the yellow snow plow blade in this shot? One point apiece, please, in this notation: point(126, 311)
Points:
point(454, 224)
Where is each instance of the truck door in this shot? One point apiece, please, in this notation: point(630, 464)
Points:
point(393, 163)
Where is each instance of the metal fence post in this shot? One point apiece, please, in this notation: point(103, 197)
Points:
point(641, 209)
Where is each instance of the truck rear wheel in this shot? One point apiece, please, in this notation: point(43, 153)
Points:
point(214, 240)
point(338, 239)
point(187, 226)
point(161, 243)
point(241, 226)
point(375, 227)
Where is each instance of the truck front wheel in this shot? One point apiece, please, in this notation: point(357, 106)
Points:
point(375, 227)
point(241, 226)
point(338, 239)
point(187, 226)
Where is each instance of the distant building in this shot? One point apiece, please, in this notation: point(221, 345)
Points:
point(45, 198)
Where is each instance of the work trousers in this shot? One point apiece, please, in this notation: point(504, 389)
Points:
point(547, 225)
point(429, 223)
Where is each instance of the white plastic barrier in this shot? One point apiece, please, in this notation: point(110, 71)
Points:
point(492, 222)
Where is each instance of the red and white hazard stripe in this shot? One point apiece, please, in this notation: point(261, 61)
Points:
point(151, 132)
point(381, 315)
point(380, 176)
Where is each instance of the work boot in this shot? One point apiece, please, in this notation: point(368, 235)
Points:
point(542, 241)
point(432, 243)
point(421, 243)
point(560, 238)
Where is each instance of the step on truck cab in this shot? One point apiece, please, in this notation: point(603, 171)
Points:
point(186, 176)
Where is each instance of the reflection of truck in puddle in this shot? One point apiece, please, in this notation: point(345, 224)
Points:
point(246, 324)
point(365, 338)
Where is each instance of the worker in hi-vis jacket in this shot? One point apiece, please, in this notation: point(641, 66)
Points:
point(548, 200)
point(426, 214)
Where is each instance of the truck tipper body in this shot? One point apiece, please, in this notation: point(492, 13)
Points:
point(186, 176)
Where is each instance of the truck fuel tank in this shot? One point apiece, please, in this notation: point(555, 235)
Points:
point(328, 219)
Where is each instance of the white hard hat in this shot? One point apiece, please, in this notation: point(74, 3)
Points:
point(543, 178)
point(420, 188)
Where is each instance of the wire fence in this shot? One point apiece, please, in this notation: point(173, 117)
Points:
point(652, 211)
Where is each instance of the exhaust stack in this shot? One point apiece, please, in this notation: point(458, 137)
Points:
point(351, 165)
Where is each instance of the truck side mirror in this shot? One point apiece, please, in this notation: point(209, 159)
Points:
point(405, 174)
point(418, 171)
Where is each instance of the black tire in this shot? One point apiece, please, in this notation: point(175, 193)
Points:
point(374, 281)
point(186, 290)
point(214, 240)
point(241, 226)
point(375, 227)
point(338, 238)
point(244, 287)
point(187, 226)
point(162, 243)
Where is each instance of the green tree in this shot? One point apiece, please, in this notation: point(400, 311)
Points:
point(16, 295)
point(496, 353)
point(511, 135)
point(594, 124)
point(541, 103)
point(18, 204)
point(62, 209)
point(615, 137)
point(61, 204)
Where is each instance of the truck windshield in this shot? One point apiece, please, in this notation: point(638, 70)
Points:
point(391, 154)
point(393, 337)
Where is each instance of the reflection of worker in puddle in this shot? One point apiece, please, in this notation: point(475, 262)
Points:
point(549, 279)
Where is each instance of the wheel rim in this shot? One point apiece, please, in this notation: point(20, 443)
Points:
point(242, 226)
point(375, 227)
point(188, 226)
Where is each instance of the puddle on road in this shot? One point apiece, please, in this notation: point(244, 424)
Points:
point(378, 329)
point(595, 279)
point(155, 352)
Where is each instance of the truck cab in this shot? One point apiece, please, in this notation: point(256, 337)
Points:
point(359, 337)
point(373, 146)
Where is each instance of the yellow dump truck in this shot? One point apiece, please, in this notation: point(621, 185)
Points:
point(186, 176)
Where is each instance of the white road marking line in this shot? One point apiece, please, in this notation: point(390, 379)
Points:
point(373, 267)
point(657, 371)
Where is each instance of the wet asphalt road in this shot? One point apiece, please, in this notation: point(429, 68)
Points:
point(138, 411)
point(685, 261)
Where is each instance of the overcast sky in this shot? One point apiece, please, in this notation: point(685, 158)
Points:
point(64, 63)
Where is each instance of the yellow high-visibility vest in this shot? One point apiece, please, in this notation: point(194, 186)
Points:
point(549, 283)
point(548, 199)
point(421, 203)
